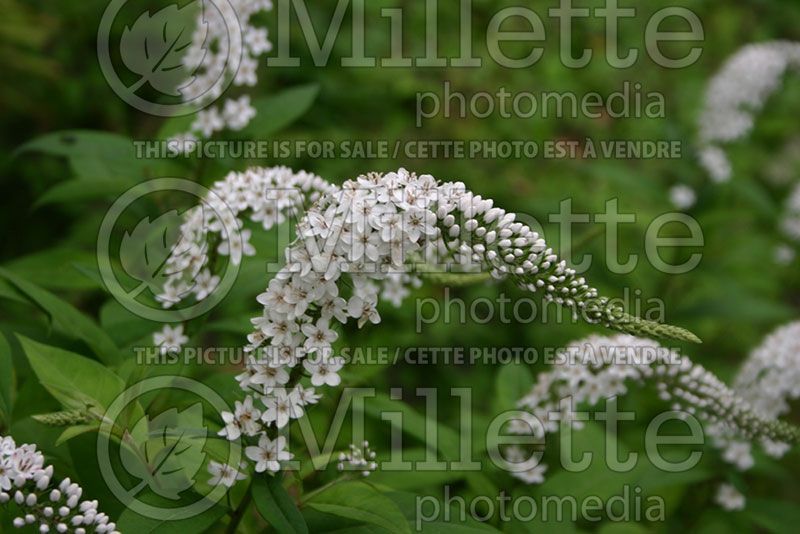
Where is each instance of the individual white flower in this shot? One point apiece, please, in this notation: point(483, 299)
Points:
point(268, 454)
point(205, 284)
point(170, 339)
point(184, 143)
point(238, 113)
point(334, 308)
point(236, 248)
point(682, 196)
point(6, 474)
point(231, 431)
point(208, 121)
point(363, 310)
point(281, 408)
point(324, 371)
point(7, 446)
point(729, 498)
point(305, 396)
point(247, 416)
point(269, 376)
point(319, 336)
point(223, 474)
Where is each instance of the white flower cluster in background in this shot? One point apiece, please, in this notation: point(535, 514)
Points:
point(729, 498)
point(597, 368)
point(736, 94)
point(209, 58)
point(27, 484)
point(682, 196)
point(768, 380)
point(267, 196)
point(791, 217)
point(352, 250)
point(784, 255)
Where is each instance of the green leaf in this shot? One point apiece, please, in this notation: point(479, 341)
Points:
point(273, 113)
point(361, 502)
point(75, 381)
point(80, 190)
point(6, 380)
point(52, 268)
point(416, 425)
point(172, 446)
point(513, 382)
point(130, 521)
point(774, 516)
point(69, 320)
point(75, 431)
point(93, 155)
point(276, 507)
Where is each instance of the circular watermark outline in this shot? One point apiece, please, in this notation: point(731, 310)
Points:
point(232, 61)
point(127, 298)
point(118, 405)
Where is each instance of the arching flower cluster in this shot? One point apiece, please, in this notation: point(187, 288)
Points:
point(768, 380)
point(211, 57)
point(354, 246)
point(28, 489)
point(735, 94)
point(361, 244)
point(265, 195)
point(598, 368)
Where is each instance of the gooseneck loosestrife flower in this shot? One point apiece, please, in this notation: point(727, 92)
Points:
point(736, 94)
point(268, 196)
point(598, 368)
point(209, 59)
point(357, 244)
point(768, 381)
point(733, 98)
point(27, 487)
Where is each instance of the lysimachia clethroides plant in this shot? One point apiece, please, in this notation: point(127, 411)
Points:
point(599, 368)
point(371, 239)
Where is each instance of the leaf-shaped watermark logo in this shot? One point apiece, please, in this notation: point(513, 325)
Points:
point(172, 452)
point(144, 251)
point(168, 254)
point(154, 46)
point(187, 54)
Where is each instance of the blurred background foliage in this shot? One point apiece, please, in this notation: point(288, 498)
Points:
point(56, 190)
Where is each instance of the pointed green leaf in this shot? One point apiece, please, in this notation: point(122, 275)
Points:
point(75, 381)
point(69, 319)
point(276, 506)
point(361, 502)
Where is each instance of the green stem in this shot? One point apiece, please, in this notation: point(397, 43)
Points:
point(238, 514)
